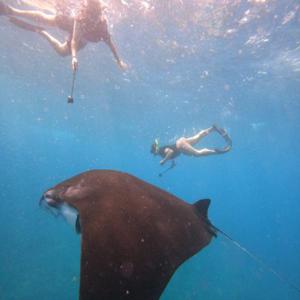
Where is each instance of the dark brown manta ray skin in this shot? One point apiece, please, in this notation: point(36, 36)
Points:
point(134, 235)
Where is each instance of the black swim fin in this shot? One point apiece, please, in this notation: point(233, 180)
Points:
point(24, 25)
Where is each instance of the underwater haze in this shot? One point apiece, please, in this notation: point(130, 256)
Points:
point(192, 63)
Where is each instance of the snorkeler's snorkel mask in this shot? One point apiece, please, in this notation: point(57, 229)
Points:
point(155, 147)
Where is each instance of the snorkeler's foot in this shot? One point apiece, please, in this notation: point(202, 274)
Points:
point(26, 26)
point(122, 65)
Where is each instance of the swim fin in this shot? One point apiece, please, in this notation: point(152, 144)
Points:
point(224, 134)
point(220, 130)
point(24, 25)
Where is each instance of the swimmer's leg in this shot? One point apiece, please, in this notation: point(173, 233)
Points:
point(33, 15)
point(62, 49)
point(190, 150)
point(196, 138)
point(24, 25)
point(113, 49)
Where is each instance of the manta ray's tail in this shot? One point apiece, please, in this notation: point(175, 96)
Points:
point(257, 259)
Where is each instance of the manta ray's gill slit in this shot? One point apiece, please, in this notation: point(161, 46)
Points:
point(69, 213)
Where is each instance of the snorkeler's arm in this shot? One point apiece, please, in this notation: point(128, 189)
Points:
point(74, 44)
point(169, 153)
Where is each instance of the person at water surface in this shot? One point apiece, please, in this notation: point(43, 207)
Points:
point(185, 146)
point(88, 25)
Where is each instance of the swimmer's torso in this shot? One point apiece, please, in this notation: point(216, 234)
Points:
point(89, 31)
point(176, 152)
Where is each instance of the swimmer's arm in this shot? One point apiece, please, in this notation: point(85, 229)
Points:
point(169, 153)
point(74, 44)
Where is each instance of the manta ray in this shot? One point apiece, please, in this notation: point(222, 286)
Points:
point(133, 235)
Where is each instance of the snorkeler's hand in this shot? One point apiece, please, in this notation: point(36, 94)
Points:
point(123, 66)
point(74, 63)
point(162, 162)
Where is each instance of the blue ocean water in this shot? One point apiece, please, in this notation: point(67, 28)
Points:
point(234, 63)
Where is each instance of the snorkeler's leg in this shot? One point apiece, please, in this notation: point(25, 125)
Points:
point(37, 16)
point(113, 49)
point(187, 149)
point(24, 25)
point(62, 49)
point(196, 138)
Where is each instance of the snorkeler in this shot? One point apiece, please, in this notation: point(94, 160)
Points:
point(185, 146)
point(89, 25)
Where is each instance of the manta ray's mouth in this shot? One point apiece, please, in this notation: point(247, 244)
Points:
point(50, 204)
point(59, 208)
point(51, 199)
